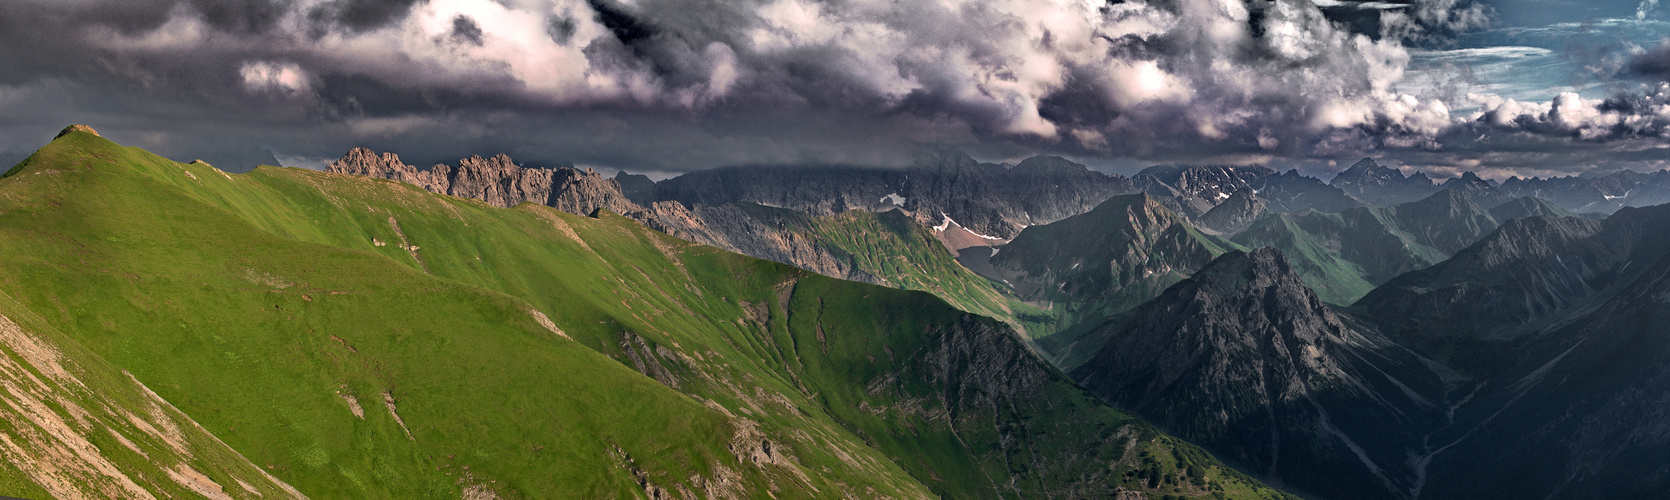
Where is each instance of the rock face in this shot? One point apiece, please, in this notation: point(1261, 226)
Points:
point(732, 227)
point(638, 188)
point(1245, 360)
point(1097, 264)
point(1528, 206)
point(1375, 185)
point(497, 181)
point(989, 199)
point(1481, 191)
point(1194, 190)
point(75, 128)
point(1291, 192)
point(1234, 214)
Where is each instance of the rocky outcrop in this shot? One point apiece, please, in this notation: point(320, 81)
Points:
point(1245, 360)
point(1234, 214)
point(1375, 185)
point(496, 180)
point(731, 227)
point(76, 128)
point(637, 187)
point(1194, 190)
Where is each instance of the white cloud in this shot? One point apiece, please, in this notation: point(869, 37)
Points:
point(270, 76)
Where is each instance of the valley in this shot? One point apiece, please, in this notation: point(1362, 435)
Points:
point(361, 332)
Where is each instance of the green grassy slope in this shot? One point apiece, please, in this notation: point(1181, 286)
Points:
point(77, 427)
point(534, 353)
point(1089, 267)
point(1344, 255)
point(901, 253)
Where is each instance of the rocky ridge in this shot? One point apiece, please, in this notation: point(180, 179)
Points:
point(1234, 214)
point(1244, 359)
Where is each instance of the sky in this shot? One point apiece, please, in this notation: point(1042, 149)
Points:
point(1500, 87)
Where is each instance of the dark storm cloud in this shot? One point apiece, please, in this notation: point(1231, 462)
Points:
point(1652, 63)
point(358, 15)
point(684, 84)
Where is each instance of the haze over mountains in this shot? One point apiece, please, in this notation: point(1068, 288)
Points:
point(995, 331)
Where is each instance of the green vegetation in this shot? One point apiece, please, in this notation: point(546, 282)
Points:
point(899, 252)
point(362, 338)
point(1344, 255)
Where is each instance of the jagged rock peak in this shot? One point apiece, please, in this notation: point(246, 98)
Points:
point(76, 128)
point(497, 180)
point(362, 161)
point(1235, 213)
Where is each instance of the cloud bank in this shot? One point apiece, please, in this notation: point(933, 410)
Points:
point(682, 84)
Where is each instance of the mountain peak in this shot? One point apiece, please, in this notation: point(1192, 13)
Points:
point(1263, 267)
point(76, 128)
point(1235, 213)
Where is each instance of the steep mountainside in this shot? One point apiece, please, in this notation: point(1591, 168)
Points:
point(363, 338)
point(1531, 270)
point(1582, 413)
point(1291, 192)
point(1244, 359)
point(1481, 191)
point(887, 248)
point(1234, 214)
point(989, 199)
point(1091, 266)
point(1375, 185)
point(77, 427)
point(1344, 254)
point(1528, 206)
point(1194, 190)
point(1605, 194)
point(638, 188)
point(884, 253)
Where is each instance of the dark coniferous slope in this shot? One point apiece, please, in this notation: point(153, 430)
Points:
point(1245, 360)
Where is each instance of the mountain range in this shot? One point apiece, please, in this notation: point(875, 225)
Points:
point(950, 329)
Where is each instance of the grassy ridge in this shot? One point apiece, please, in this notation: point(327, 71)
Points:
point(898, 251)
point(268, 306)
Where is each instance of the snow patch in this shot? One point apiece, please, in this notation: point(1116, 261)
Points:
point(1625, 195)
point(893, 198)
point(948, 223)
